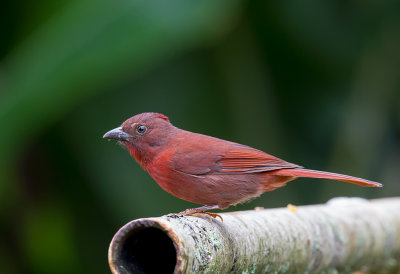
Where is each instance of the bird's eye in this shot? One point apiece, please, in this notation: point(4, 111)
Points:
point(141, 129)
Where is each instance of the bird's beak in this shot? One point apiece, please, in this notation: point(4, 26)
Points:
point(117, 134)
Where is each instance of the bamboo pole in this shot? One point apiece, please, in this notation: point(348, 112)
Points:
point(342, 236)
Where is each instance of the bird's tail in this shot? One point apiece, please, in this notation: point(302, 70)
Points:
point(300, 172)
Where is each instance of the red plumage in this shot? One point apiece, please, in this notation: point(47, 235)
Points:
point(208, 170)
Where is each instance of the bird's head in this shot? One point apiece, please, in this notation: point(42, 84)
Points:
point(144, 135)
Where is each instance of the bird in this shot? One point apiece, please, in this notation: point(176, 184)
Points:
point(206, 170)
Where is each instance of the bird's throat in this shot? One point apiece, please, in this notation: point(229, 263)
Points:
point(138, 155)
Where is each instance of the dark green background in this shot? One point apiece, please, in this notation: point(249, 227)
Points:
point(313, 82)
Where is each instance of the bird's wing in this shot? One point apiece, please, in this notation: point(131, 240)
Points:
point(195, 162)
point(244, 159)
point(225, 158)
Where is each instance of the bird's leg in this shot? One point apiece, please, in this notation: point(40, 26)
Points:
point(201, 210)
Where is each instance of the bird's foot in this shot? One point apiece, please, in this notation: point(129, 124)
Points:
point(201, 210)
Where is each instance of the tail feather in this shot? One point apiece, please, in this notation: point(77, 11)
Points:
point(299, 172)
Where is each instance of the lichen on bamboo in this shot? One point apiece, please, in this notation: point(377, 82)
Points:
point(344, 235)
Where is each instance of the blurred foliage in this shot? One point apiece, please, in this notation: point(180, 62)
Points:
point(315, 83)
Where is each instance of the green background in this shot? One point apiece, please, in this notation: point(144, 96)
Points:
point(315, 83)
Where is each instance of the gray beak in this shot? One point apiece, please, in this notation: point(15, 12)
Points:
point(117, 134)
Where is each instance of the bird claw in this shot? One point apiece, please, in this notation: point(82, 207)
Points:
point(198, 211)
point(213, 215)
point(194, 211)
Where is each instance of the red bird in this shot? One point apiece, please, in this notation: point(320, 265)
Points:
point(207, 170)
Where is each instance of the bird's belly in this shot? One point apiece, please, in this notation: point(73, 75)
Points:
point(222, 190)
